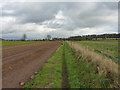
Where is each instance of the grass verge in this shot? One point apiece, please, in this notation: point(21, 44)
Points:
point(82, 74)
point(50, 75)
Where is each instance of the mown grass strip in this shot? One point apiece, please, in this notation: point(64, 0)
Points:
point(50, 75)
point(82, 74)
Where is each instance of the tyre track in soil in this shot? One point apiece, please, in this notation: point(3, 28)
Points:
point(65, 82)
point(11, 50)
point(20, 67)
point(20, 53)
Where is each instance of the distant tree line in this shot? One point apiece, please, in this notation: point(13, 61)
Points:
point(95, 37)
point(74, 38)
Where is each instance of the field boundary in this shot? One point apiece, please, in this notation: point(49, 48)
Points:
point(109, 56)
point(49, 76)
point(104, 66)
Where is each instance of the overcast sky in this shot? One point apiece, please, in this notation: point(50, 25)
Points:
point(38, 19)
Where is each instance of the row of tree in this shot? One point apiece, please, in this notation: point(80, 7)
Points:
point(95, 37)
point(24, 38)
point(77, 38)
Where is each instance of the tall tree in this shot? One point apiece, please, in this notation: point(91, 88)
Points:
point(48, 37)
point(24, 37)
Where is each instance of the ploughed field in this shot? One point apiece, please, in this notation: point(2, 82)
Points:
point(19, 62)
point(9, 43)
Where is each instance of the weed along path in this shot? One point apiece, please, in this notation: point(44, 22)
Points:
point(65, 82)
point(100, 65)
point(21, 62)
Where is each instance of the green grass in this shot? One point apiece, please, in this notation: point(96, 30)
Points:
point(0, 43)
point(8, 43)
point(50, 75)
point(82, 74)
point(107, 46)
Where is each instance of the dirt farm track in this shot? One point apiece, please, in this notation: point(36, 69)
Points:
point(21, 61)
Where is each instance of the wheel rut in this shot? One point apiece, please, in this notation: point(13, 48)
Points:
point(65, 81)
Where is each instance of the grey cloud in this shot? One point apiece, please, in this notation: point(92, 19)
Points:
point(93, 14)
point(79, 15)
point(87, 14)
point(31, 12)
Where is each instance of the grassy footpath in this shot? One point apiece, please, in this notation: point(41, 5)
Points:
point(50, 75)
point(8, 43)
point(108, 46)
point(82, 74)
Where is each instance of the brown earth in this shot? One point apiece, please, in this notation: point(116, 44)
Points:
point(20, 62)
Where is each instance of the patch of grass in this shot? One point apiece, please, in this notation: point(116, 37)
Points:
point(8, 43)
point(0, 43)
point(108, 46)
point(82, 74)
point(50, 75)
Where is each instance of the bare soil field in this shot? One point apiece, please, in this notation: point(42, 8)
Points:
point(20, 62)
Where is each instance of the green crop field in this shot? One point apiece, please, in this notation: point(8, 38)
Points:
point(8, 43)
point(107, 46)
